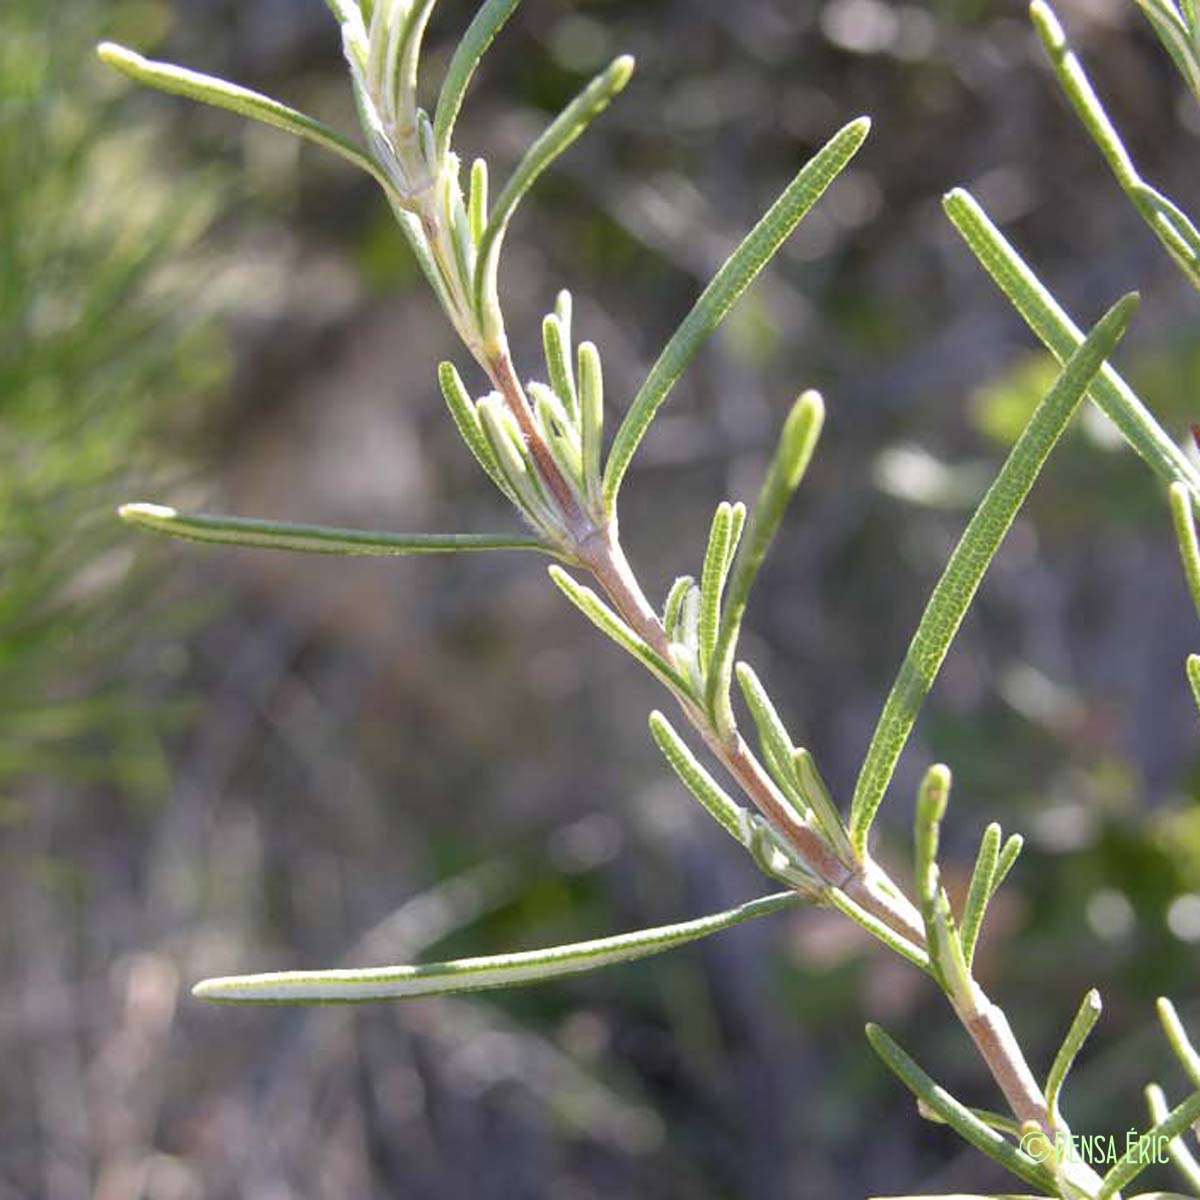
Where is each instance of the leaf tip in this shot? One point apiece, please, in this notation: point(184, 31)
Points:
point(620, 70)
point(116, 55)
point(142, 513)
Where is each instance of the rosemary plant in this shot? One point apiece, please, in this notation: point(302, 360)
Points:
point(543, 445)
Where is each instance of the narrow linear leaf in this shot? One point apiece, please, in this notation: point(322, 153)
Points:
point(965, 570)
point(1182, 1157)
point(1193, 674)
point(932, 797)
point(674, 605)
point(1008, 857)
point(1185, 532)
point(1141, 1154)
point(1078, 88)
point(729, 815)
point(1178, 35)
point(885, 933)
point(477, 201)
point(712, 581)
point(1181, 1045)
point(591, 421)
point(477, 974)
point(220, 93)
point(980, 890)
point(609, 623)
point(960, 1118)
point(557, 349)
point(772, 735)
point(458, 400)
point(509, 453)
point(1062, 337)
point(792, 456)
point(994, 1120)
point(817, 794)
point(1081, 1026)
point(316, 539)
point(558, 136)
point(488, 22)
point(739, 270)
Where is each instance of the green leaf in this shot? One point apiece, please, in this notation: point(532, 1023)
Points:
point(609, 623)
point(477, 974)
point(885, 933)
point(960, 1118)
point(674, 605)
point(1178, 35)
point(965, 570)
point(1185, 532)
point(1193, 674)
point(221, 94)
point(1142, 1153)
point(729, 815)
point(458, 400)
point(739, 271)
point(1062, 338)
point(1189, 1057)
point(316, 539)
point(816, 793)
point(477, 202)
point(1081, 1026)
point(982, 887)
point(1008, 857)
point(1185, 1162)
point(1162, 216)
point(556, 342)
point(712, 581)
point(508, 451)
point(591, 422)
point(488, 22)
point(558, 136)
point(792, 456)
point(776, 744)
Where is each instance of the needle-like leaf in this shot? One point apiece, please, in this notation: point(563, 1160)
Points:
point(1188, 1055)
point(712, 581)
point(556, 342)
point(316, 539)
point(885, 933)
point(608, 622)
point(965, 570)
point(1174, 229)
point(792, 456)
point(958, 1116)
point(730, 816)
point(738, 272)
point(1062, 337)
point(773, 736)
point(1081, 1026)
point(1142, 1153)
point(458, 400)
point(488, 22)
point(1193, 674)
point(673, 606)
point(1008, 857)
point(1176, 30)
point(591, 420)
point(1184, 1160)
point(558, 136)
point(1185, 531)
point(816, 793)
point(980, 891)
point(477, 974)
point(220, 93)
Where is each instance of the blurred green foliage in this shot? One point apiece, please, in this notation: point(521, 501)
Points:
point(103, 343)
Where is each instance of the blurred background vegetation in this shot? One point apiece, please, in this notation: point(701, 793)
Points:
point(224, 760)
